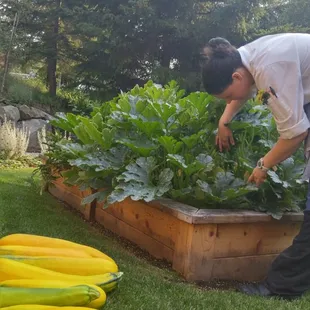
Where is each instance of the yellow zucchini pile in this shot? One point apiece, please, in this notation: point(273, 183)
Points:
point(39, 273)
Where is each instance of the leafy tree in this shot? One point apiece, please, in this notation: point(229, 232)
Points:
point(106, 46)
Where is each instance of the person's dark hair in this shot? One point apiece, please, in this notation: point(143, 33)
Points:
point(220, 60)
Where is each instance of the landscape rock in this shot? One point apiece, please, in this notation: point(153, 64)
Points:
point(27, 113)
point(10, 112)
point(34, 125)
point(30, 118)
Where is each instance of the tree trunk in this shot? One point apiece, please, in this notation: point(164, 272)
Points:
point(165, 57)
point(7, 55)
point(52, 45)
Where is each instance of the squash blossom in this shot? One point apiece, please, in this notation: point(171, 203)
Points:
point(262, 97)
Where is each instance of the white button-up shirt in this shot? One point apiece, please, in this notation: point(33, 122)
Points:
point(282, 62)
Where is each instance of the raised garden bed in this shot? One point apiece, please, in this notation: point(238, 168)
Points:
point(203, 244)
point(72, 196)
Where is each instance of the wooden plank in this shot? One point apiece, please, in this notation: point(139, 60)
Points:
point(218, 216)
point(72, 189)
point(179, 210)
point(154, 247)
point(235, 240)
point(182, 254)
point(193, 215)
point(250, 268)
point(149, 220)
point(71, 199)
point(194, 250)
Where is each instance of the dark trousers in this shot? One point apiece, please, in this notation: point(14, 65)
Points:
point(289, 274)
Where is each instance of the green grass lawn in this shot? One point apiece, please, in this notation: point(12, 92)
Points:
point(144, 286)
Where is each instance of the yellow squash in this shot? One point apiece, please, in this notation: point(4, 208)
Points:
point(68, 265)
point(12, 270)
point(35, 283)
point(42, 241)
point(35, 307)
point(80, 295)
point(41, 251)
point(42, 307)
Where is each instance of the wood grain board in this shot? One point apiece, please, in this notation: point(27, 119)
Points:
point(64, 193)
point(151, 221)
point(146, 242)
point(253, 239)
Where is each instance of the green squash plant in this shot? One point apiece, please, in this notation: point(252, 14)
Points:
point(154, 141)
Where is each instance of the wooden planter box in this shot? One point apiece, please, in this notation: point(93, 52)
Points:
point(202, 245)
point(72, 196)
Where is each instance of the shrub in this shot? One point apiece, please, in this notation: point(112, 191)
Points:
point(20, 163)
point(13, 141)
point(42, 138)
point(78, 102)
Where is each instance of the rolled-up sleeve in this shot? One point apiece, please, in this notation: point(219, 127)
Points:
point(287, 104)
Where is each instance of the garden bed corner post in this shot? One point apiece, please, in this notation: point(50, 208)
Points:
point(193, 255)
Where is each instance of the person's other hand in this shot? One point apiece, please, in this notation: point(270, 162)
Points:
point(224, 137)
point(258, 176)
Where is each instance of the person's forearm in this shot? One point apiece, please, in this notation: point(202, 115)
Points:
point(282, 150)
point(231, 110)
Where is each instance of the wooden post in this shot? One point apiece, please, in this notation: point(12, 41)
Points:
point(193, 254)
point(92, 210)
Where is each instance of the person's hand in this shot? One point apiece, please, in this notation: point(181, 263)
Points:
point(258, 176)
point(224, 137)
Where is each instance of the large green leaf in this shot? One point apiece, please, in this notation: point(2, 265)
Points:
point(151, 129)
point(207, 161)
point(227, 195)
point(177, 160)
point(142, 147)
point(291, 171)
point(66, 122)
point(82, 135)
point(233, 193)
point(98, 121)
point(171, 145)
point(274, 177)
point(71, 176)
point(199, 101)
point(206, 188)
point(92, 131)
point(183, 118)
point(99, 196)
point(113, 159)
point(140, 171)
point(201, 162)
point(73, 119)
point(224, 181)
point(163, 110)
point(181, 193)
point(193, 140)
point(108, 136)
point(74, 150)
point(138, 182)
point(163, 184)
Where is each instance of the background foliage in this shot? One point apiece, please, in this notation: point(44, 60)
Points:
point(103, 47)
